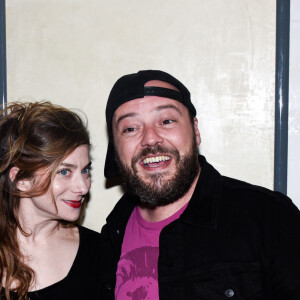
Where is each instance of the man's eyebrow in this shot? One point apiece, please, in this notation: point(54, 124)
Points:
point(72, 166)
point(128, 115)
point(162, 107)
point(157, 108)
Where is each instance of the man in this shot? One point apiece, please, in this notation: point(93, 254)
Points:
point(183, 231)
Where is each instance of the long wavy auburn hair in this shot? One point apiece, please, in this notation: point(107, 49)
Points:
point(33, 136)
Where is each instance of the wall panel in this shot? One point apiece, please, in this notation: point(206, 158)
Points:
point(72, 51)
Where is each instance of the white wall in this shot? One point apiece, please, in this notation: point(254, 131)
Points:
point(294, 105)
point(72, 51)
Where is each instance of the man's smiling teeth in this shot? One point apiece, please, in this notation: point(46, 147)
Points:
point(155, 159)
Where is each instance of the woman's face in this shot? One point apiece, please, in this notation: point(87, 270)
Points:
point(71, 183)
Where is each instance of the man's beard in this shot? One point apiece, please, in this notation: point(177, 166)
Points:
point(158, 190)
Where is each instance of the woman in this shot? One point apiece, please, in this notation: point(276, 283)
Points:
point(44, 181)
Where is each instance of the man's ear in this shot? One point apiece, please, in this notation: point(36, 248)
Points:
point(197, 132)
point(23, 185)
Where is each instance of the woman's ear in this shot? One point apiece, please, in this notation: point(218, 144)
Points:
point(22, 185)
point(13, 173)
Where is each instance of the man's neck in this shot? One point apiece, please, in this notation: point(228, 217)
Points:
point(163, 212)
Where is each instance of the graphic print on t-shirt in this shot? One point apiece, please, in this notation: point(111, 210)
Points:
point(137, 274)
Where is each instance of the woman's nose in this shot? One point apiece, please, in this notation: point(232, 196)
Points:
point(82, 185)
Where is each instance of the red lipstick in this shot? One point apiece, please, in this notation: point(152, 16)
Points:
point(74, 204)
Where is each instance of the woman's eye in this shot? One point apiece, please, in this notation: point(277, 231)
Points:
point(86, 171)
point(64, 172)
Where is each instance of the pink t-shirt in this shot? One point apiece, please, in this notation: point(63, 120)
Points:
point(137, 267)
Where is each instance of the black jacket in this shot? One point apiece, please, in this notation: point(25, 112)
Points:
point(234, 240)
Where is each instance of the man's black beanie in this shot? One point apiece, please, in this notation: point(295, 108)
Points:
point(132, 86)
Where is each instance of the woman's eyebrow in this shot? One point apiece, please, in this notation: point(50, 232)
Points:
point(88, 165)
point(68, 165)
point(75, 166)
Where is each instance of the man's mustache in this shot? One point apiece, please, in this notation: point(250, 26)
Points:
point(154, 150)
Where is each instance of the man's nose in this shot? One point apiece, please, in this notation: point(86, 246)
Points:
point(151, 137)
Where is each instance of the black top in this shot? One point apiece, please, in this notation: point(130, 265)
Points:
point(82, 281)
point(233, 241)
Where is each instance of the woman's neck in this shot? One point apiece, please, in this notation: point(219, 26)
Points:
point(35, 225)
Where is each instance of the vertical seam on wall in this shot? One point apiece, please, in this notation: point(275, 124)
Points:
point(281, 94)
point(3, 54)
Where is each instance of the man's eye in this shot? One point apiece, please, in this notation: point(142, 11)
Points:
point(169, 121)
point(130, 129)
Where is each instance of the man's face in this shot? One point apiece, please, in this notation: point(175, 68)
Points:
point(157, 148)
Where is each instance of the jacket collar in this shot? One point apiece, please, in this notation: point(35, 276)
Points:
point(203, 206)
point(201, 210)
point(121, 213)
